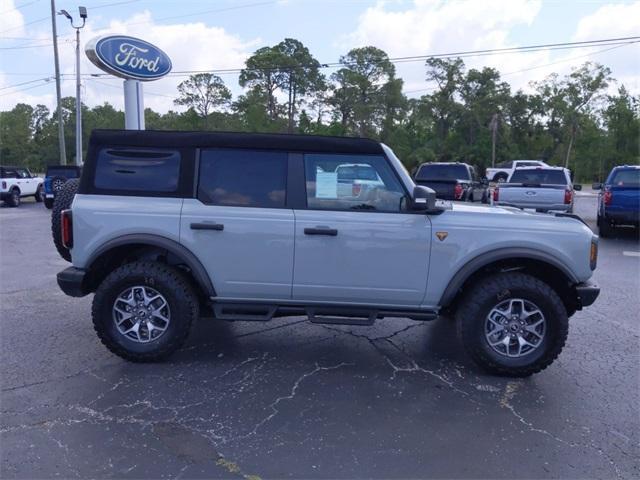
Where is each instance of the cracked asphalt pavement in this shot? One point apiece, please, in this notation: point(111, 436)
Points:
point(291, 399)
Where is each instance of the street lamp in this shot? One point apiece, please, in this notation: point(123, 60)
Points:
point(83, 15)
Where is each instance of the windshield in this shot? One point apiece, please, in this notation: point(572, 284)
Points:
point(356, 172)
point(627, 178)
point(539, 176)
point(442, 172)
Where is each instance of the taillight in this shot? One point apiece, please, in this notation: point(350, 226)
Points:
point(568, 195)
point(356, 189)
point(593, 254)
point(608, 196)
point(496, 194)
point(66, 221)
point(457, 192)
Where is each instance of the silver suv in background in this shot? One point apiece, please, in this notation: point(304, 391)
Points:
point(164, 225)
point(543, 189)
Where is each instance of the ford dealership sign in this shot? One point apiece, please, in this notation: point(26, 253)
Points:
point(128, 57)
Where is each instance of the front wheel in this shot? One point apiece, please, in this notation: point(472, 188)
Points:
point(513, 324)
point(143, 311)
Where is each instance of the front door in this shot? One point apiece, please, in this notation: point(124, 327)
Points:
point(239, 226)
point(360, 244)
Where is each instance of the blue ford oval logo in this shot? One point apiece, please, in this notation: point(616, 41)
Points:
point(128, 57)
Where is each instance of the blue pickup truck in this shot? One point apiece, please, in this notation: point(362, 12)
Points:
point(619, 199)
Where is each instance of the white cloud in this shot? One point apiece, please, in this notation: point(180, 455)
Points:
point(12, 20)
point(191, 46)
point(615, 21)
point(438, 26)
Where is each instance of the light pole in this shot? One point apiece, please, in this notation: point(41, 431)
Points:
point(63, 151)
point(83, 16)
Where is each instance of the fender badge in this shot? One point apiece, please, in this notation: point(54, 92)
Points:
point(442, 235)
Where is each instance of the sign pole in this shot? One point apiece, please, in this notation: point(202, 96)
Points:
point(133, 105)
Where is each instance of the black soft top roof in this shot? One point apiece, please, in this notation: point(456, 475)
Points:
point(258, 141)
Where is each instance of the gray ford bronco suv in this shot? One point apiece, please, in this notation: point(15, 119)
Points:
point(162, 226)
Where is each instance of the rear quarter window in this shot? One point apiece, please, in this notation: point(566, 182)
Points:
point(138, 170)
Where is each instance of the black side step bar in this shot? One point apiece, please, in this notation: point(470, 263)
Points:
point(333, 315)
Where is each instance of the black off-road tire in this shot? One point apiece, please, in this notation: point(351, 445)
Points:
point(605, 230)
point(48, 203)
point(39, 196)
point(500, 177)
point(166, 280)
point(62, 201)
point(476, 305)
point(13, 200)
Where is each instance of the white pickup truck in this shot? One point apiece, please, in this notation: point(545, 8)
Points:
point(18, 182)
point(541, 188)
point(503, 170)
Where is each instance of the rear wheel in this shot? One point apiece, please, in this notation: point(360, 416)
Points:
point(605, 229)
point(143, 311)
point(513, 324)
point(39, 194)
point(14, 198)
point(62, 201)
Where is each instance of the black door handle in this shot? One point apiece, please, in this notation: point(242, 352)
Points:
point(331, 232)
point(207, 226)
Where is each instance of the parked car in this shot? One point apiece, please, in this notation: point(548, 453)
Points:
point(453, 181)
point(17, 183)
point(619, 199)
point(501, 172)
point(55, 178)
point(167, 223)
point(356, 179)
point(543, 189)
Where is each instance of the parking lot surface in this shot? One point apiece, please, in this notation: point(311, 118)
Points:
point(291, 399)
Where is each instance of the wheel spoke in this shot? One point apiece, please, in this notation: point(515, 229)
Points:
point(512, 306)
point(135, 328)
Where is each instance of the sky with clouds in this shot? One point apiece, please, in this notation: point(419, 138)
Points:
point(221, 34)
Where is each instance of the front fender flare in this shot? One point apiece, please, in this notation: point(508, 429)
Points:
point(487, 258)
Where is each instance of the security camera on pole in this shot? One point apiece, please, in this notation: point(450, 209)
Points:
point(83, 15)
point(134, 60)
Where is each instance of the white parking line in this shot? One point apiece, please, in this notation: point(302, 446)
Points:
point(630, 254)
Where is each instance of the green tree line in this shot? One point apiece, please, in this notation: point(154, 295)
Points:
point(468, 115)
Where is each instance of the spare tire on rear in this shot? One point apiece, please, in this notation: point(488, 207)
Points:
point(62, 201)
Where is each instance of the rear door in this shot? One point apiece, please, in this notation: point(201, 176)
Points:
point(363, 249)
point(239, 225)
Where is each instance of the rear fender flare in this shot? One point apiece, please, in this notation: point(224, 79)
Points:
point(197, 269)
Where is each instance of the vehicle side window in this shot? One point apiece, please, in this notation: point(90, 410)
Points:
point(22, 173)
point(474, 175)
point(243, 178)
point(352, 182)
point(133, 170)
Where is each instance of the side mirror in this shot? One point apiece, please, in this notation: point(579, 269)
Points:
point(596, 186)
point(577, 187)
point(423, 199)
